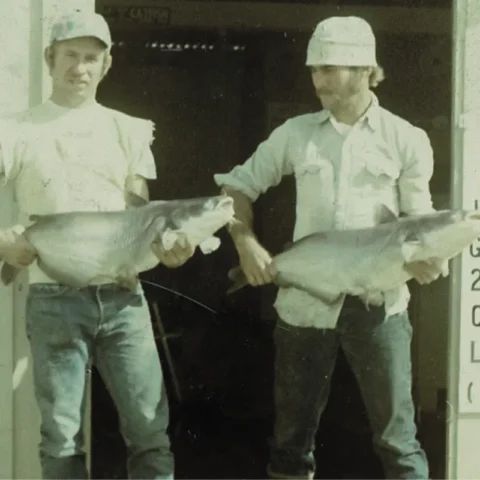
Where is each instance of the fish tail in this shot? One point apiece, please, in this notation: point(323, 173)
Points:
point(8, 273)
point(238, 278)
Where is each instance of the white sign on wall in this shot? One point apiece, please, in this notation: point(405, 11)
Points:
point(463, 423)
point(469, 317)
point(469, 371)
point(466, 194)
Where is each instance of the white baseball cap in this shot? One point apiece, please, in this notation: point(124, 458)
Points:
point(342, 41)
point(81, 24)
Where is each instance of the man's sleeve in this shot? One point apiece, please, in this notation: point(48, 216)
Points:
point(142, 162)
point(7, 163)
point(414, 181)
point(417, 171)
point(264, 169)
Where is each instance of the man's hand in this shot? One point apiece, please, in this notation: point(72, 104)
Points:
point(255, 262)
point(181, 251)
point(425, 272)
point(14, 248)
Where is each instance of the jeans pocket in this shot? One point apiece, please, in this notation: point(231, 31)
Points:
point(376, 176)
point(42, 299)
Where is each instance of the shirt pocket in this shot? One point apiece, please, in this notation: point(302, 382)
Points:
point(376, 175)
point(314, 171)
point(314, 177)
point(315, 190)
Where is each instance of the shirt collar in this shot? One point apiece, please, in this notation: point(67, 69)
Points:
point(371, 117)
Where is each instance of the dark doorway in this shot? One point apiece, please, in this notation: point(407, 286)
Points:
point(208, 103)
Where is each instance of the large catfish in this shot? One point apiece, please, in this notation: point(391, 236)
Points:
point(367, 262)
point(83, 248)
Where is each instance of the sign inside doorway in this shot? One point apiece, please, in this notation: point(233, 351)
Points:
point(150, 15)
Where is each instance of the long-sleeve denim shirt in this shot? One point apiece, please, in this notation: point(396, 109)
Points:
point(343, 175)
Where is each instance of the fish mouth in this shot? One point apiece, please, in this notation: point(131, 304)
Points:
point(218, 204)
point(225, 201)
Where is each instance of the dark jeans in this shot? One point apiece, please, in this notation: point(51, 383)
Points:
point(66, 327)
point(378, 351)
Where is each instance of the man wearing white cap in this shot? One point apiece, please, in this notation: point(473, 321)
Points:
point(348, 160)
point(71, 154)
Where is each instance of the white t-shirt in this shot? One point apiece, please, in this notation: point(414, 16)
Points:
point(62, 159)
point(342, 128)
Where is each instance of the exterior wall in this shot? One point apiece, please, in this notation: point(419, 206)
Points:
point(24, 28)
point(14, 96)
point(463, 420)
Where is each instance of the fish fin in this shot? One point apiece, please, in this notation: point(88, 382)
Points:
point(386, 215)
point(412, 237)
point(329, 298)
point(209, 245)
point(8, 273)
point(238, 278)
point(411, 246)
point(134, 201)
point(372, 298)
point(170, 237)
point(100, 279)
point(130, 282)
point(127, 278)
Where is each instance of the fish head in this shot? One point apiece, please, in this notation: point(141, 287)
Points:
point(197, 219)
point(442, 234)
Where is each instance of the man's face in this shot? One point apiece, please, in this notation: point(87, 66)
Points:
point(337, 86)
point(77, 66)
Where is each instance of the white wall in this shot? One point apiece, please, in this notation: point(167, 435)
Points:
point(24, 29)
point(464, 368)
point(430, 318)
point(14, 96)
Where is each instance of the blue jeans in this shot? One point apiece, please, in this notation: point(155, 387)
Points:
point(66, 328)
point(377, 349)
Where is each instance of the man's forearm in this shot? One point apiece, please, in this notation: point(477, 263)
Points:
point(241, 227)
point(8, 236)
point(137, 185)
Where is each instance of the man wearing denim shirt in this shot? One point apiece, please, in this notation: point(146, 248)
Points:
point(72, 154)
point(348, 160)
